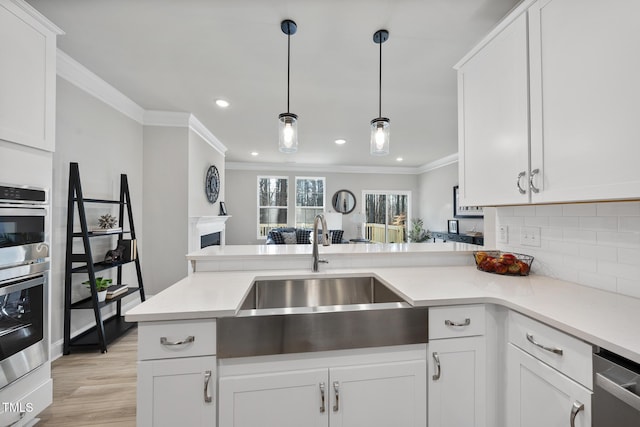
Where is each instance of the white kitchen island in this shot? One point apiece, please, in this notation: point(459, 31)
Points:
point(577, 313)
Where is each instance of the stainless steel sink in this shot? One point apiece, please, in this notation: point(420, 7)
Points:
point(335, 292)
point(298, 315)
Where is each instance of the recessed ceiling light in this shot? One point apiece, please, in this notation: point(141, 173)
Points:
point(222, 103)
point(254, 153)
point(341, 141)
point(399, 159)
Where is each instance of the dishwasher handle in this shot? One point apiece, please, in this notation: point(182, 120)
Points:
point(619, 391)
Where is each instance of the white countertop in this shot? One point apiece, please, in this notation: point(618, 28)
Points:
point(250, 251)
point(602, 318)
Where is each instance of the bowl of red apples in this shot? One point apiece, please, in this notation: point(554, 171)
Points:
point(505, 263)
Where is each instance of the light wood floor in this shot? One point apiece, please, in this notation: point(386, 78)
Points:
point(95, 389)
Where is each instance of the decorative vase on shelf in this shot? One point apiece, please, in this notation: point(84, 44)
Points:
point(102, 296)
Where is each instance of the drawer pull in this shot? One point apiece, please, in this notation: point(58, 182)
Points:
point(187, 340)
point(537, 344)
point(436, 358)
point(207, 381)
point(322, 404)
point(466, 322)
point(577, 407)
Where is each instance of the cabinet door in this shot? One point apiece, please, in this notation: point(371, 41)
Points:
point(27, 79)
point(281, 399)
point(493, 117)
point(538, 395)
point(584, 99)
point(457, 387)
point(380, 395)
point(177, 392)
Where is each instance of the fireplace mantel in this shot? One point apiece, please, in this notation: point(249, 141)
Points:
point(201, 225)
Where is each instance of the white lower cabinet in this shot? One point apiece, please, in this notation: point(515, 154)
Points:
point(538, 395)
point(457, 382)
point(375, 395)
point(177, 392)
point(457, 366)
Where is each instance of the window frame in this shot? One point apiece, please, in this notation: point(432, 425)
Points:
point(295, 202)
point(259, 206)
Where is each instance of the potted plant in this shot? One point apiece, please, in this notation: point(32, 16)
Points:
point(101, 287)
point(417, 233)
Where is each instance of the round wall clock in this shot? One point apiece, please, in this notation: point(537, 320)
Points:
point(212, 184)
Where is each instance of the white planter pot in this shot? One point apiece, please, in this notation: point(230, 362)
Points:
point(102, 296)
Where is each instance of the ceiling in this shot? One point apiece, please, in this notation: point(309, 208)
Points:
point(182, 55)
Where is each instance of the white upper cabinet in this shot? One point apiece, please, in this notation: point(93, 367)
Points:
point(585, 133)
point(27, 76)
point(493, 117)
point(549, 97)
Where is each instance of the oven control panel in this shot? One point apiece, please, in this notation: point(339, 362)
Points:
point(22, 194)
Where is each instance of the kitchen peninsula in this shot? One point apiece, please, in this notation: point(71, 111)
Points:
point(187, 314)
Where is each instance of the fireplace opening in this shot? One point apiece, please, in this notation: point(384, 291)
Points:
point(211, 239)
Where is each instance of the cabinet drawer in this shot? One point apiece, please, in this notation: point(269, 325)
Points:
point(546, 343)
point(456, 321)
point(178, 338)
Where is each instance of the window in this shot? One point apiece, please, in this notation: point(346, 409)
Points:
point(386, 215)
point(273, 202)
point(310, 197)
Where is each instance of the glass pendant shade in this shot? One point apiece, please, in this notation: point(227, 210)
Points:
point(288, 132)
point(380, 131)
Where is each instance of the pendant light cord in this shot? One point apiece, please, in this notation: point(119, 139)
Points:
point(288, 61)
point(380, 84)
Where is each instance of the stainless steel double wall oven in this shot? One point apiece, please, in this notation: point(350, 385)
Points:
point(24, 276)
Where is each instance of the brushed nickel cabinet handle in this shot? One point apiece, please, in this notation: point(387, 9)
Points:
point(520, 176)
point(336, 390)
point(436, 358)
point(577, 407)
point(187, 340)
point(207, 381)
point(466, 322)
point(555, 350)
point(322, 405)
point(531, 185)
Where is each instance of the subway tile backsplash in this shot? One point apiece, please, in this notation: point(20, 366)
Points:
point(594, 244)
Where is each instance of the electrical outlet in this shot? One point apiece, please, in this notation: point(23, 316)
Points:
point(530, 236)
point(503, 234)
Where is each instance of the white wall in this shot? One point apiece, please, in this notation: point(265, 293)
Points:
point(594, 244)
point(201, 156)
point(241, 199)
point(166, 201)
point(105, 143)
point(436, 200)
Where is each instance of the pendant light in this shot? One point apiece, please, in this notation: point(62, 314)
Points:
point(288, 122)
point(380, 125)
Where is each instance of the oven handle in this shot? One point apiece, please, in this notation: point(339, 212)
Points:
point(618, 391)
point(38, 280)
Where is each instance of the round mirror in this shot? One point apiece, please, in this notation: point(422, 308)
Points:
point(344, 201)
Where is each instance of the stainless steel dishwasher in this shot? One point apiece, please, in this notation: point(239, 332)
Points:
point(616, 391)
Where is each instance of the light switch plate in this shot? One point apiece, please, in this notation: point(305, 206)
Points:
point(530, 236)
point(503, 234)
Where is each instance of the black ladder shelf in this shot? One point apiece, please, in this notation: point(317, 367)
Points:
point(106, 329)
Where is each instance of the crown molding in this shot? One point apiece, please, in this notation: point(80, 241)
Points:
point(43, 20)
point(298, 167)
point(204, 133)
point(187, 120)
point(437, 164)
point(78, 75)
point(166, 118)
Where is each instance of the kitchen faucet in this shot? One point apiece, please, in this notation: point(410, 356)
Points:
point(325, 240)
